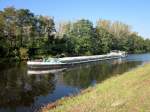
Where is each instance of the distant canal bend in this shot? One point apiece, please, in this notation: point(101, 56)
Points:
point(23, 92)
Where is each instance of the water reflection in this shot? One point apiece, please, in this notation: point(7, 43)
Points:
point(83, 76)
point(24, 91)
point(19, 89)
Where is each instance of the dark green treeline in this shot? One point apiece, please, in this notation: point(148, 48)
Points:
point(24, 35)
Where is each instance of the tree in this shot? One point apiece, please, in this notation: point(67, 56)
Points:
point(120, 29)
point(82, 31)
point(24, 34)
point(103, 41)
point(105, 24)
point(25, 22)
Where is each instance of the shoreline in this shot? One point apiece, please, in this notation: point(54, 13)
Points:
point(76, 102)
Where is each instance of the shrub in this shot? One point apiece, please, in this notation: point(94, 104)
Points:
point(23, 53)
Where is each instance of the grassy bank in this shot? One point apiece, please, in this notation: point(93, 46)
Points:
point(129, 92)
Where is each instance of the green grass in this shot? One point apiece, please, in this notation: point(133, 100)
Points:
point(129, 92)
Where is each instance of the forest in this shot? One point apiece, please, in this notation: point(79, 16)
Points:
point(24, 35)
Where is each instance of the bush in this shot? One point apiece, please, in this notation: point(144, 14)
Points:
point(23, 53)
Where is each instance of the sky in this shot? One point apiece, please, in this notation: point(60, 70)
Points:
point(133, 12)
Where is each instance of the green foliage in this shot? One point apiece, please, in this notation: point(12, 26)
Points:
point(79, 36)
point(103, 40)
point(36, 36)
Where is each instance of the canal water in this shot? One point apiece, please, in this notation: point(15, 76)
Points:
point(22, 90)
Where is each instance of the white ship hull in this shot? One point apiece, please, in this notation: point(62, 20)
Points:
point(68, 61)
